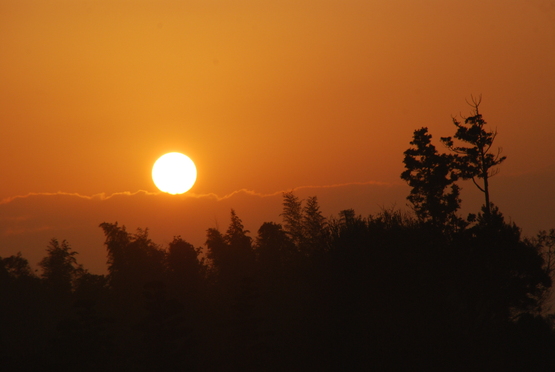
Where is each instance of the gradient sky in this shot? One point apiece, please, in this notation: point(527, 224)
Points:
point(267, 96)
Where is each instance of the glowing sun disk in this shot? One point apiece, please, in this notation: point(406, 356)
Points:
point(174, 173)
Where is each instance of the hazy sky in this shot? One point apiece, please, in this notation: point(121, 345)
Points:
point(268, 95)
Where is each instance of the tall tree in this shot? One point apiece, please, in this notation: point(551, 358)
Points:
point(133, 259)
point(15, 267)
point(293, 217)
point(117, 239)
point(185, 268)
point(476, 160)
point(218, 250)
point(240, 245)
point(236, 235)
point(314, 226)
point(232, 254)
point(434, 195)
point(274, 248)
point(59, 267)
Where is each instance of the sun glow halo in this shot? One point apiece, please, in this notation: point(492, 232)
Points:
point(174, 173)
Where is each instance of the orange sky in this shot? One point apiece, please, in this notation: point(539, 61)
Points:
point(268, 95)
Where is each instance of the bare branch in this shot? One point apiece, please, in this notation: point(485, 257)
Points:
point(499, 159)
point(478, 186)
point(475, 102)
point(493, 172)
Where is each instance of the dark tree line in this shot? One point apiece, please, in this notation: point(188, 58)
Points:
point(391, 291)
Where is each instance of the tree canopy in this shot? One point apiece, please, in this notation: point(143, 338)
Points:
point(394, 290)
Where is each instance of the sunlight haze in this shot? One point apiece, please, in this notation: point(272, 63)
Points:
point(270, 96)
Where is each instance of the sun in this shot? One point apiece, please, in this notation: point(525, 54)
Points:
point(174, 173)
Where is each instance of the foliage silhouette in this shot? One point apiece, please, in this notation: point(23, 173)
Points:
point(186, 271)
point(292, 217)
point(430, 174)
point(390, 291)
point(133, 259)
point(476, 161)
point(387, 291)
point(59, 267)
point(232, 255)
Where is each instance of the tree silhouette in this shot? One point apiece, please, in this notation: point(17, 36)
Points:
point(388, 291)
point(232, 254)
point(434, 195)
point(237, 238)
point(22, 314)
point(186, 271)
point(15, 267)
point(133, 259)
point(217, 249)
point(545, 245)
point(305, 225)
point(59, 267)
point(275, 250)
point(292, 217)
point(476, 160)
point(314, 227)
point(509, 272)
point(117, 239)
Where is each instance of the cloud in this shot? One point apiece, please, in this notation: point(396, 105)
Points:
point(99, 196)
point(103, 196)
point(276, 193)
